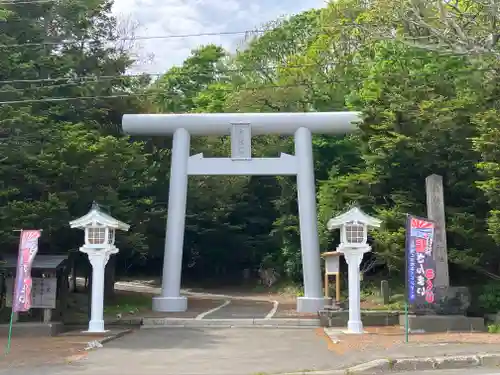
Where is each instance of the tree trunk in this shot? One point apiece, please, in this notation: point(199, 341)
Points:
point(73, 273)
point(88, 274)
point(109, 278)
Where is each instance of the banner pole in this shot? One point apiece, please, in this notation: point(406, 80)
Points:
point(9, 338)
point(407, 294)
point(407, 325)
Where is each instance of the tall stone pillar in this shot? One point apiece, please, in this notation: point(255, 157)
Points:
point(436, 212)
point(313, 299)
point(170, 299)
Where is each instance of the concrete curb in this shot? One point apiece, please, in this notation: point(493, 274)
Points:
point(152, 323)
point(99, 343)
point(115, 336)
point(383, 366)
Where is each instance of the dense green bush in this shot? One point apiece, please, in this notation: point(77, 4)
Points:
point(489, 298)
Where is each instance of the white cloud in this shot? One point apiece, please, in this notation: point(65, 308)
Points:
point(180, 17)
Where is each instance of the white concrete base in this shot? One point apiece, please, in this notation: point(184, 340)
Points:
point(355, 327)
point(312, 305)
point(93, 332)
point(96, 326)
point(170, 304)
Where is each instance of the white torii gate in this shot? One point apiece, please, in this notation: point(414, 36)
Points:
point(241, 127)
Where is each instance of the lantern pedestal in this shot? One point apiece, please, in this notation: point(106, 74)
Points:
point(310, 304)
point(170, 304)
point(353, 257)
point(98, 258)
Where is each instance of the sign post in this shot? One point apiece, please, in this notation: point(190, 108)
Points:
point(332, 267)
point(420, 265)
point(43, 292)
point(28, 247)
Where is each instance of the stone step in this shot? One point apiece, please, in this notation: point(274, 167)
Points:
point(148, 323)
point(339, 318)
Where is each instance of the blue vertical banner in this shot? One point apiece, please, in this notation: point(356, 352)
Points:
point(420, 264)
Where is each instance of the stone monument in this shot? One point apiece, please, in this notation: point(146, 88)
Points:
point(448, 313)
point(435, 212)
point(449, 300)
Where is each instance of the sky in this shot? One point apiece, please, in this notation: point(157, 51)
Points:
point(181, 17)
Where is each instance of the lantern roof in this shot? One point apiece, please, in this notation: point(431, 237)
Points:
point(97, 217)
point(354, 214)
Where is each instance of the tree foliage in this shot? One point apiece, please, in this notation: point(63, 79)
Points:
point(423, 74)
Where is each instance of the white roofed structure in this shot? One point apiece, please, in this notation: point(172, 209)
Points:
point(354, 214)
point(97, 217)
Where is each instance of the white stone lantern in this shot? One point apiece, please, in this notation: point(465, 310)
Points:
point(354, 225)
point(99, 245)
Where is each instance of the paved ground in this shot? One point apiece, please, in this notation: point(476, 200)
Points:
point(478, 371)
point(229, 305)
point(240, 351)
point(390, 341)
point(185, 351)
point(236, 351)
point(243, 310)
point(220, 304)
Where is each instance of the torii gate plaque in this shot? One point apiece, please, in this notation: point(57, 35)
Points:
point(241, 127)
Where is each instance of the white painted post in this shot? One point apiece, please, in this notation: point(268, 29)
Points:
point(313, 299)
point(354, 226)
point(353, 258)
point(170, 299)
point(47, 315)
point(98, 259)
point(99, 245)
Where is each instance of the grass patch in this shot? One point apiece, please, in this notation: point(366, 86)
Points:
point(128, 303)
point(494, 328)
point(285, 289)
point(396, 302)
point(370, 295)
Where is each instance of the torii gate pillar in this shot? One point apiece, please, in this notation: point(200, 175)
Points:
point(241, 127)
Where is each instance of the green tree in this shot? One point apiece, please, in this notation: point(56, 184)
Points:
point(59, 152)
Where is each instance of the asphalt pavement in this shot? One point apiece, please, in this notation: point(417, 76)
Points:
point(235, 351)
point(470, 371)
point(192, 351)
